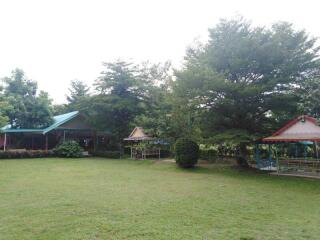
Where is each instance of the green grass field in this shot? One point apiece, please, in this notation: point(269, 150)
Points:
point(123, 199)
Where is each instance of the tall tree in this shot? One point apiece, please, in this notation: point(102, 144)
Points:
point(28, 110)
point(157, 78)
point(244, 79)
point(77, 91)
point(58, 109)
point(119, 100)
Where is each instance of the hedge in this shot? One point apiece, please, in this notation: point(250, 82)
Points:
point(108, 154)
point(208, 154)
point(16, 154)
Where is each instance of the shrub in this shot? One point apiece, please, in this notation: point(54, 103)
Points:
point(69, 149)
point(186, 152)
point(107, 154)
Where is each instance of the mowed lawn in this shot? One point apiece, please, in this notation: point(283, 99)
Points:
point(125, 199)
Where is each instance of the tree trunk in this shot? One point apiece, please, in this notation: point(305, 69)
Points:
point(242, 157)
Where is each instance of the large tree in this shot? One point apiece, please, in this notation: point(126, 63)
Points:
point(157, 78)
point(244, 79)
point(119, 100)
point(27, 108)
point(77, 91)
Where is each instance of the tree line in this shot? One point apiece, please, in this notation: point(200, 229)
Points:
point(241, 85)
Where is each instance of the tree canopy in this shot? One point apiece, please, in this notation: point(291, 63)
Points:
point(26, 108)
point(77, 91)
point(245, 78)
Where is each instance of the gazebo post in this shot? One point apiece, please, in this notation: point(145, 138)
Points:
point(95, 141)
point(277, 159)
point(305, 151)
point(315, 163)
point(46, 139)
point(5, 142)
point(270, 157)
point(258, 155)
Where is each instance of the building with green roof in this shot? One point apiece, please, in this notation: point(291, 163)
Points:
point(68, 126)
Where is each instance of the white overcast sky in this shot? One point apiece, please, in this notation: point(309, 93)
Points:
point(55, 41)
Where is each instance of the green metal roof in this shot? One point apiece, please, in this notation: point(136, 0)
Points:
point(57, 121)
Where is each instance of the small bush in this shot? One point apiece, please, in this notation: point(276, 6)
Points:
point(186, 153)
point(69, 149)
point(107, 154)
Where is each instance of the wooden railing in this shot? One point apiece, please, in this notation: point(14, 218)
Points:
point(144, 153)
point(299, 164)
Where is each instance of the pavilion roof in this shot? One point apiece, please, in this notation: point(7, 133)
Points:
point(302, 128)
point(138, 134)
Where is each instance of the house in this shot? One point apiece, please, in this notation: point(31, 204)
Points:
point(69, 126)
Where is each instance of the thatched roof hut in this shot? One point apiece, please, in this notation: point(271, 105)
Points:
point(138, 134)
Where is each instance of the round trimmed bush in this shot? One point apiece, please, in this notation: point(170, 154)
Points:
point(69, 149)
point(186, 153)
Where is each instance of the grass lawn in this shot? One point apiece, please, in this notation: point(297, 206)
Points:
point(124, 199)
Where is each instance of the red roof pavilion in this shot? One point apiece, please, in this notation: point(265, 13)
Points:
point(303, 128)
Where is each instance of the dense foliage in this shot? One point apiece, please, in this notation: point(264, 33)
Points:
point(186, 152)
point(69, 149)
point(25, 108)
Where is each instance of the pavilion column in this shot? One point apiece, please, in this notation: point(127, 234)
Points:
point(95, 141)
point(305, 151)
point(5, 142)
point(277, 158)
point(270, 157)
point(46, 136)
point(258, 155)
point(64, 135)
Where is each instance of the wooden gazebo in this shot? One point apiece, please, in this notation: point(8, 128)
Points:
point(293, 148)
point(140, 146)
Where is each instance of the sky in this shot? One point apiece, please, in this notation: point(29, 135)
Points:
point(56, 41)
